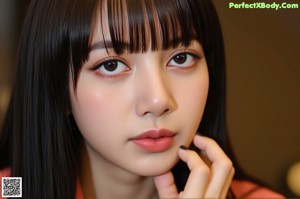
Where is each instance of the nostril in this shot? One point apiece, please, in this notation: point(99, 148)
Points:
point(167, 110)
point(146, 113)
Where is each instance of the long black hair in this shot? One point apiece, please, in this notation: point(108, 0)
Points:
point(40, 140)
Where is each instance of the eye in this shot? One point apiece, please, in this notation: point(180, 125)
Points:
point(183, 60)
point(111, 68)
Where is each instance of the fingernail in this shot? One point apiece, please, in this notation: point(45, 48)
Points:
point(183, 147)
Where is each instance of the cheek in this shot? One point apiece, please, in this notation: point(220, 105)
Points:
point(95, 109)
point(198, 92)
point(88, 106)
point(194, 94)
point(191, 98)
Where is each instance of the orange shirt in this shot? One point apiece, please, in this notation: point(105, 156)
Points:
point(247, 189)
point(241, 188)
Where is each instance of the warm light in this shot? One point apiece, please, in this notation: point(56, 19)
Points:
point(293, 178)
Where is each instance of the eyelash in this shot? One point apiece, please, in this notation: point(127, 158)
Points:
point(110, 60)
point(193, 53)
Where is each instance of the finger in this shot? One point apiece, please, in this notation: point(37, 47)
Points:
point(205, 159)
point(199, 175)
point(209, 147)
point(165, 185)
point(221, 165)
point(220, 174)
point(227, 184)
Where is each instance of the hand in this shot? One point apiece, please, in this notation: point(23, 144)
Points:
point(210, 175)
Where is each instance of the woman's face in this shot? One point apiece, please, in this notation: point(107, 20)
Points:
point(135, 110)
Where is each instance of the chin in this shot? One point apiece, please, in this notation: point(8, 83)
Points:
point(156, 168)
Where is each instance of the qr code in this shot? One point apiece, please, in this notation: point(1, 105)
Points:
point(11, 187)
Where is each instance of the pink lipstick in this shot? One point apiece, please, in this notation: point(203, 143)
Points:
point(154, 141)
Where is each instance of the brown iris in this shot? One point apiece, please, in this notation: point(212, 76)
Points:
point(180, 59)
point(111, 65)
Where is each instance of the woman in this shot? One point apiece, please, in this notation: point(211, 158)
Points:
point(108, 97)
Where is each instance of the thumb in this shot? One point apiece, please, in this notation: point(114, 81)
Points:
point(165, 185)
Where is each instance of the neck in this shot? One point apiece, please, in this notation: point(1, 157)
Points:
point(102, 179)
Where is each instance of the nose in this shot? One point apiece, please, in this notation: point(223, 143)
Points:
point(154, 96)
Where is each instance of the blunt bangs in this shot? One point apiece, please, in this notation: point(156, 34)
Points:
point(139, 25)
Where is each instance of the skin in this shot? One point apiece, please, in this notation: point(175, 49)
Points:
point(145, 91)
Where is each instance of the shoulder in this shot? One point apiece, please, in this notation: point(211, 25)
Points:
point(247, 189)
point(4, 173)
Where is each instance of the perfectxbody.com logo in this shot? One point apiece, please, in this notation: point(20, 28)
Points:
point(263, 5)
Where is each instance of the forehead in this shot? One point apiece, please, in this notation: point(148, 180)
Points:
point(137, 26)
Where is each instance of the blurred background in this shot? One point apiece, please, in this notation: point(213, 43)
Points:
point(263, 88)
point(263, 83)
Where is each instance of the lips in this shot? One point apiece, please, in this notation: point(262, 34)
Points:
point(154, 141)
